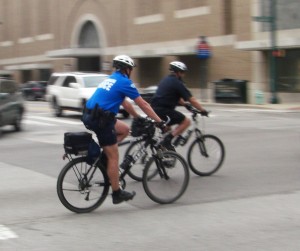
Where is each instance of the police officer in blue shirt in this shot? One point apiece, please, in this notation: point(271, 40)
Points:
point(170, 93)
point(100, 112)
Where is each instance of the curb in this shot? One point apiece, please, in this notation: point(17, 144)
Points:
point(287, 107)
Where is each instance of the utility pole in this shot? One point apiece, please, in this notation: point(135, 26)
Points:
point(273, 51)
point(271, 19)
point(203, 53)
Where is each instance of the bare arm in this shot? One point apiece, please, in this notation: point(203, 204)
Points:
point(181, 102)
point(129, 108)
point(194, 102)
point(146, 108)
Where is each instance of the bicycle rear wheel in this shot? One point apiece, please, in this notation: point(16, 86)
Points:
point(81, 187)
point(206, 155)
point(170, 180)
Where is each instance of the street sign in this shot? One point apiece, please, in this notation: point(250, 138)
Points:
point(263, 19)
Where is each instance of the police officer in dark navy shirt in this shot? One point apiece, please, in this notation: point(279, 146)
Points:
point(170, 93)
point(99, 116)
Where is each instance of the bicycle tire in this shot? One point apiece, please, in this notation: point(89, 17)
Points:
point(158, 188)
point(206, 165)
point(136, 171)
point(73, 194)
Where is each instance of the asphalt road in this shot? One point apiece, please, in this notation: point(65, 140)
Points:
point(251, 203)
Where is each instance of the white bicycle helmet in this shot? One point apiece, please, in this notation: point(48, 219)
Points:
point(177, 66)
point(123, 61)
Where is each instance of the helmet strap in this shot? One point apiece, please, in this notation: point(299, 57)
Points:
point(177, 74)
point(127, 71)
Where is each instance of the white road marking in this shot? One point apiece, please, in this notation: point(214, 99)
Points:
point(32, 122)
point(63, 121)
point(6, 233)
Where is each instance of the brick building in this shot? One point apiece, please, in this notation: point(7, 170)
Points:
point(38, 37)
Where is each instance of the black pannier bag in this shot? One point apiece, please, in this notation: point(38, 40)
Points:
point(141, 126)
point(77, 142)
point(94, 152)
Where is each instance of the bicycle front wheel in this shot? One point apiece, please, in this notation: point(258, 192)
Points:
point(206, 155)
point(81, 187)
point(170, 180)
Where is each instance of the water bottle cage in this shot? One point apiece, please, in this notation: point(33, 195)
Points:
point(127, 163)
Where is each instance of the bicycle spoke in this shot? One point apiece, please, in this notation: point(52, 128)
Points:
point(206, 155)
point(81, 187)
point(170, 179)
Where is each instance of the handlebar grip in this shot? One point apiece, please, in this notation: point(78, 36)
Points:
point(204, 113)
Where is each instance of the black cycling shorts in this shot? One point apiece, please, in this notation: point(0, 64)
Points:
point(175, 116)
point(106, 134)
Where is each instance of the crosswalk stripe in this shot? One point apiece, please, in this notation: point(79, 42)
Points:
point(6, 233)
point(32, 122)
point(63, 121)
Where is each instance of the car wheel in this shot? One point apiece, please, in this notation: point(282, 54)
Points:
point(0, 127)
point(17, 123)
point(30, 97)
point(57, 109)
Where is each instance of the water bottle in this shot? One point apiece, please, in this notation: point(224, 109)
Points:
point(179, 141)
point(185, 138)
point(126, 162)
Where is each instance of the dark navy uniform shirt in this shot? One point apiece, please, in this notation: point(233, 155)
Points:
point(169, 91)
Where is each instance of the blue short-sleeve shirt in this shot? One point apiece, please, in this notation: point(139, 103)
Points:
point(111, 92)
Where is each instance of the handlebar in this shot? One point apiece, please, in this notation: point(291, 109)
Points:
point(195, 111)
point(162, 125)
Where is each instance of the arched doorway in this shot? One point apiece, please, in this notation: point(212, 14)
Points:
point(88, 38)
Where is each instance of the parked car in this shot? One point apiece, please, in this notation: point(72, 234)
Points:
point(148, 93)
point(34, 90)
point(70, 91)
point(11, 104)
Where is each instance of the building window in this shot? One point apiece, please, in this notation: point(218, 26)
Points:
point(228, 17)
point(5, 26)
point(88, 37)
point(26, 16)
point(148, 12)
point(288, 73)
point(43, 17)
point(147, 8)
point(189, 4)
point(287, 12)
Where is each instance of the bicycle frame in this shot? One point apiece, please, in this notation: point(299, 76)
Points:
point(193, 129)
point(146, 141)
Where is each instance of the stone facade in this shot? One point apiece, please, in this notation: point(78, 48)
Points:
point(38, 37)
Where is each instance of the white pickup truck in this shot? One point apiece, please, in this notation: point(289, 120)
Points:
point(70, 90)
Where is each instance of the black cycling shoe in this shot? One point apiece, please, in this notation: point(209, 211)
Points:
point(168, 145)
point(121, 195)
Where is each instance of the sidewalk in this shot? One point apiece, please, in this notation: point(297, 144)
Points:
point(285, 106)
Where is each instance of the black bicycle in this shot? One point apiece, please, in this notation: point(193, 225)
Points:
point(205, 154)
point(82, 185)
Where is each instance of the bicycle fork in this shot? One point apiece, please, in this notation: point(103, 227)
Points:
point(202, 146)
point(158, 158)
